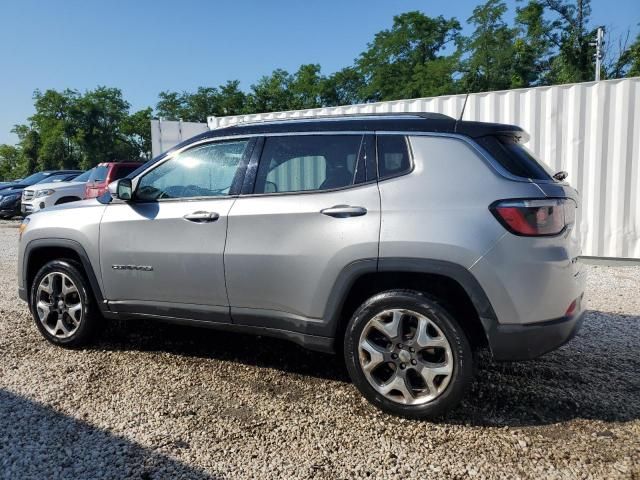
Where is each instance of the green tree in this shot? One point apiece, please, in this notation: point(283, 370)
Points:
point(54, 121)
point(136, 129)
point(343, 88)
point(490, 50)
point(97, 116)
point(29, 145)
point(628, 65)
point(10, 162)
point(535, 39)
point(170, 106)
point(232, 100)
point(306, 87)
point(271, 93)
point(574, 59)
point(199, 105)
point(399, 61)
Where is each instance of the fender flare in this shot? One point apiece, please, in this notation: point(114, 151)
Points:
point(44, 243)
point(454, 271)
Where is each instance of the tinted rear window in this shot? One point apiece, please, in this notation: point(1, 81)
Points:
point(99, 174)
point(121, 171)
point(515, 157)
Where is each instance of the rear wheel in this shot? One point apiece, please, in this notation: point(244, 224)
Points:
point(407, 354)
point(62, 306)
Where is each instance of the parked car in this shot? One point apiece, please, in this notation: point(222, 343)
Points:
point(43, 195)
point(105, 173)
point(402, 242)
point(10, 197)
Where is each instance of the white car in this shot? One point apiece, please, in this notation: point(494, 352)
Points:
point(45, 195)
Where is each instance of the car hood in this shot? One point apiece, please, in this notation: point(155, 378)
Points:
point(54, 185)
point(12, 190)
point(7, 186)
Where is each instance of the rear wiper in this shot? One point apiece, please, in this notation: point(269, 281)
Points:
point(561, 175)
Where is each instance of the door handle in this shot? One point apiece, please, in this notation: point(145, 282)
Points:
point(344, 211)
point(202, 217)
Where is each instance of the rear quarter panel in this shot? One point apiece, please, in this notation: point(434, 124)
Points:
point(440, 210)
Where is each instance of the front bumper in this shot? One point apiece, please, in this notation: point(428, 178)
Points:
point(10, 208)
point(528, 341)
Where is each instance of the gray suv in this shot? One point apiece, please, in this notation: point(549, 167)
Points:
point(403, 242)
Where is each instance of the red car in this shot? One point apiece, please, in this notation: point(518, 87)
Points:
point(105, 173)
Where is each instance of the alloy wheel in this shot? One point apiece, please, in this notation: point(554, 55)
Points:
point(405, 356)
point(59, 305)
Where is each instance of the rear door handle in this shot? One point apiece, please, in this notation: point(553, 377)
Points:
point(202, 217)
point(344, 211)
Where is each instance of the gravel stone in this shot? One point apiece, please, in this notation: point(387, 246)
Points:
point(153, 401)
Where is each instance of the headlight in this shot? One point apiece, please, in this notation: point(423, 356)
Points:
point(23, 227)
point(44, 193)
point(0, 197)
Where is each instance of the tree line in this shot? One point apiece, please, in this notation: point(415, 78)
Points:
point(549, 42)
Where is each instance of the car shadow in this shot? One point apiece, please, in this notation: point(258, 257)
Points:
point(38, 442)
point(595, 376)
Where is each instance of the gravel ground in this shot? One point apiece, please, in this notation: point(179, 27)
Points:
point(156, 401)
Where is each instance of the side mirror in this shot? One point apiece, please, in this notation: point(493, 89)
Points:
point(123, 189)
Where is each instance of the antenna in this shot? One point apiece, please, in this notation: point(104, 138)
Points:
point(464, 105)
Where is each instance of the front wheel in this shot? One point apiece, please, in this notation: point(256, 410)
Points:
point(407, 355)
point(62, 306)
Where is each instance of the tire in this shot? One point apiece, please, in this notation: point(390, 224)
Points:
point(47, 290)
point(433, 364)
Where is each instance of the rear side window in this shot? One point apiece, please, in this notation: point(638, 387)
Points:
point(514, 157)
point(99, 174)
point(393, 156)
point(121, 171)
point(300, 163)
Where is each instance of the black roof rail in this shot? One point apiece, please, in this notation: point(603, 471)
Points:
point(337, 116)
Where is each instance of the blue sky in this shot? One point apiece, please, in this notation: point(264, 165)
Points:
point(145, 46)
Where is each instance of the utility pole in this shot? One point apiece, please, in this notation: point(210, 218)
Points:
point(599, 43)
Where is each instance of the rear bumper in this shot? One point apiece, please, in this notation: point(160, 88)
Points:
point(528, 341)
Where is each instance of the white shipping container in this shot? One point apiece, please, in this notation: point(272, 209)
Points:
point(591, 130)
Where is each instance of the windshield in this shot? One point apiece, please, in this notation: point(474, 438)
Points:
point(99, 174)
point(35, 178)
point(83, 177)
point(59, 177)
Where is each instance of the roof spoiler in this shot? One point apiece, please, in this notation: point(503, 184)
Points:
point(480, 129)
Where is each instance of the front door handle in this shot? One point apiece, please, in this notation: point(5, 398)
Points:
point(202, 217)
point(344, 211)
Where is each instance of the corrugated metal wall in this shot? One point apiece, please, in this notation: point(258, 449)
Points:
point(166, 134)
point(591, 130)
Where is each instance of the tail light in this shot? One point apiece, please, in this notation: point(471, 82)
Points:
point(535, 218)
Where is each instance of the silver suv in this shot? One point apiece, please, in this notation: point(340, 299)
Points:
point(403, 242)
